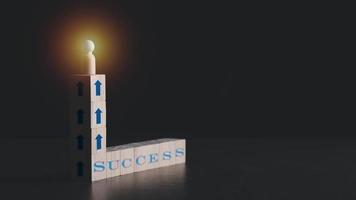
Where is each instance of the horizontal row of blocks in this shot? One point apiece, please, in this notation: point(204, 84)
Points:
point(136, 157)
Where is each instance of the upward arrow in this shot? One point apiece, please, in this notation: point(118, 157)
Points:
point(80, 116)
point(80, 144)
point(80, 87)
point(80, 168)
point(98, 141)
point(98, 116)
point(97, 87)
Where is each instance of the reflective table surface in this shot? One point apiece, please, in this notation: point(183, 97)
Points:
point(215, 169)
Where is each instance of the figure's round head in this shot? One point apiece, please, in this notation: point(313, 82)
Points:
point(89, 46)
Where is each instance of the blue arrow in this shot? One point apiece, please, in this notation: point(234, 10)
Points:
point(98, 116)
point(80, 86)
point(98, 141)
point(80, 144)
point(80, 116)
point(80, 168)
point(97, 87)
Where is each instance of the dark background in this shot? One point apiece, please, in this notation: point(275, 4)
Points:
point(262, 91)
point(194, 70)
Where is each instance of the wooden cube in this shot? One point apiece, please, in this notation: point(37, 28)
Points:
point(80, 141)
point(109, 159)
point(166, 152)
point(98, 140)
point(87, 88)
point(98, 166)
point(113, 161)
point(80, 116)
point(80, 167)
point(140, 159)
point(127, 159)
point(153, 155)
point(117, 165)
point(88, 115)
point(98, 114)
point(98, 87)
point(180, 151)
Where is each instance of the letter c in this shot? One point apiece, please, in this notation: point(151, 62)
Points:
point(138, 160)
point(167, 155)
point(123, 163)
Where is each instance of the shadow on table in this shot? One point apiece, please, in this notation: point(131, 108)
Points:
point(152, 183)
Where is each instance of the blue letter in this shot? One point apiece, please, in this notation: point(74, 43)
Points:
point(99, 166)
point(138, 160)
point(167, 155)
point(153, 157)
point(123, 163)
point(179, 152)
point(111, 165)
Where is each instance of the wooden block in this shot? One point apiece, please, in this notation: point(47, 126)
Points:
point(117, 157)
point(79, 89)
point(88, 115)
point(98, 114)
point(98, 140)
point(153, 155)
point(141, 152)
point(88, 141)
point(87, 88)
point(98, 87)
point(80, 167)
point(180, 151)
point(113, 167)
point(79, 154)
point(79, 142)
point(109, 158)
point(80, 116)
point(98, 166)
point(166, 152)
point(127, 159)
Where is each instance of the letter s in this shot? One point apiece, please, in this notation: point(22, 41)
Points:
point(99, 166)
point(179, 152)
point(167, 155)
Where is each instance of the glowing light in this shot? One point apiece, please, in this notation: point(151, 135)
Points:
point(70, 30)
point(89, 46)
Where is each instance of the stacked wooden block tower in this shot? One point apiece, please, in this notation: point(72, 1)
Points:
point(90, 158)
